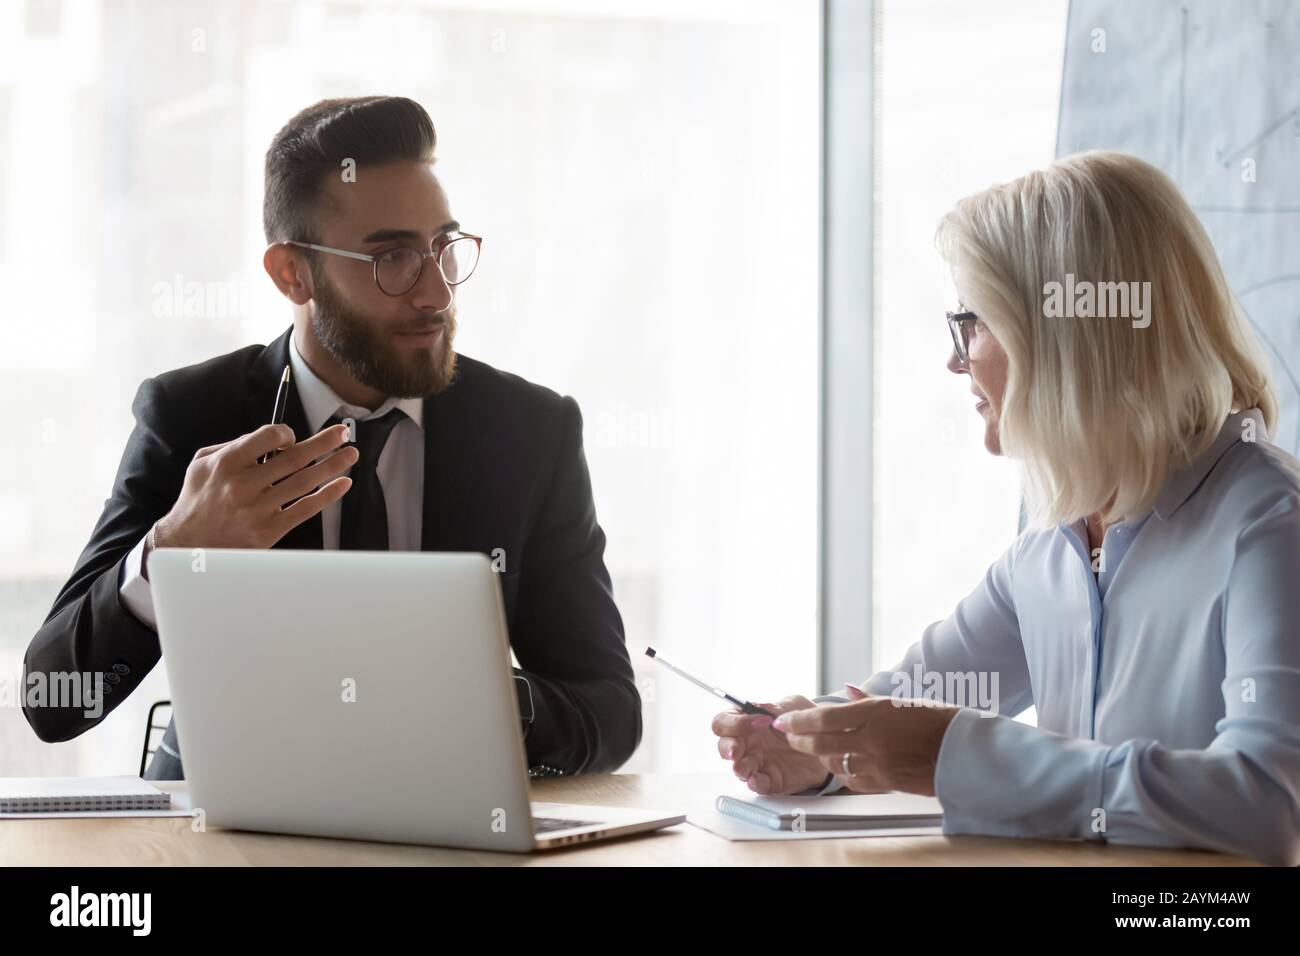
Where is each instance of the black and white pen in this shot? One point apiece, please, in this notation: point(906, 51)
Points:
point(277, 414)
point(746, 707)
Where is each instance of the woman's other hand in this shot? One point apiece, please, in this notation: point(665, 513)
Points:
point(892, 744)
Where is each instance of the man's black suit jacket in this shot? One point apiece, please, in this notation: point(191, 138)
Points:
point(503, 468)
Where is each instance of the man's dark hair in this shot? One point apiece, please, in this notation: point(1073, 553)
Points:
point(366, 129)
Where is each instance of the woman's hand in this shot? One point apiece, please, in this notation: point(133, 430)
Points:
point(760, 756)
point(892, 744)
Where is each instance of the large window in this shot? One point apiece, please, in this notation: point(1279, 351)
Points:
point(968, 96)
point(645, 176)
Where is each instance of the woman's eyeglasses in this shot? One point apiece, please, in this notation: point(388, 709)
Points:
point(960, 324)
point(398, 270)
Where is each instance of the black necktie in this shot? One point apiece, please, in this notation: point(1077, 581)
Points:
point(365, 515)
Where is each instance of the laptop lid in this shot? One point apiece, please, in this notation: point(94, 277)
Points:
point(364, 695)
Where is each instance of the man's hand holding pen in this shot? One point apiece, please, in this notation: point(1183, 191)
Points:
point(231, 499)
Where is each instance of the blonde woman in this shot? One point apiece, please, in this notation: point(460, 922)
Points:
point(1151, 610)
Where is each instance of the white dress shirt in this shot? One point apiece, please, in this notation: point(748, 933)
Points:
point(1168, 692)
point(400, 470)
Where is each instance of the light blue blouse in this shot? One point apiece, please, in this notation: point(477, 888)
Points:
point(1168, 694)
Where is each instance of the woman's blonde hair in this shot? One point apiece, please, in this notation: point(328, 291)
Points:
point(1102, 409)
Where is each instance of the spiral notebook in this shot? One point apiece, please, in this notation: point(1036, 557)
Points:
point(836, 812)
point(79, 794)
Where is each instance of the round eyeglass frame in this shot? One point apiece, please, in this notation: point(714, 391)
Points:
point(424, 257)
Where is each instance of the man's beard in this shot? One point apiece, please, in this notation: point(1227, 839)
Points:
point(369, 355)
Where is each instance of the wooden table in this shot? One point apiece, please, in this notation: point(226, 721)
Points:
point(170, 841)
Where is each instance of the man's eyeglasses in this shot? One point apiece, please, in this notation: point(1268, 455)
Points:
point(961, 324)
point(398, 270)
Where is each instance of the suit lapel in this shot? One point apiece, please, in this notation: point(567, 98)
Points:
point(264, 379)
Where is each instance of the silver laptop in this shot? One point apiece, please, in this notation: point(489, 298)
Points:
point(365, 695)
